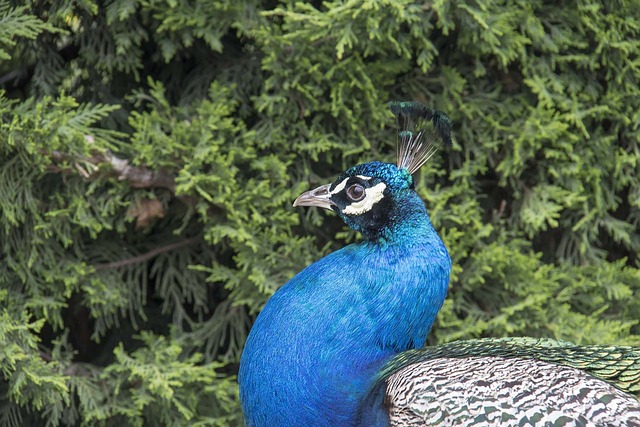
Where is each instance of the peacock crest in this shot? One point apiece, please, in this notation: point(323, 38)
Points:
point(422, 131)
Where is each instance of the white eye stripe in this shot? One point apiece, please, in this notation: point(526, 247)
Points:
point(343, 183)
point(372, 196)
point(339, 187)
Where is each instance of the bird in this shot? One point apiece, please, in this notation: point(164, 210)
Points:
point(342, 343)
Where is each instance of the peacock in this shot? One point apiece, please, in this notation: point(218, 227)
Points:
point(342, 342)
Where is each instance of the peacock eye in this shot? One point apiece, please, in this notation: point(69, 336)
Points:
point(356, 192)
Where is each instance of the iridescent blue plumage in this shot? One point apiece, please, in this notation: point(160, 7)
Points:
point(315, 349)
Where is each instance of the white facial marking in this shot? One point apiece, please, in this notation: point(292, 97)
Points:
point(340, 186)
point(372, 196)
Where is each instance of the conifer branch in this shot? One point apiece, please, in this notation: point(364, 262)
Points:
point(140, 176)
point(137, 176)
point(147, 255)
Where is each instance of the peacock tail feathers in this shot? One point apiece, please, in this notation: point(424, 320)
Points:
point(507, 382)
point(617, 365)
point(422, 130)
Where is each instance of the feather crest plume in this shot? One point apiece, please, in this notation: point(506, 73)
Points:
point(422, 131)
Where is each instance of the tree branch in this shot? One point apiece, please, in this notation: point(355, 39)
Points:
point(137, 176)
point(147, 255)
point(140, 176)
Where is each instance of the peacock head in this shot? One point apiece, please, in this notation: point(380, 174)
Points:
point(365, 196)
point(376, 198)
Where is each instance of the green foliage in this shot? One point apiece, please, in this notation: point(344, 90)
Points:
point(16, 22)
point(150, 151)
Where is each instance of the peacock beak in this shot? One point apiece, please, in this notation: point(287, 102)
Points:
point(320, 197)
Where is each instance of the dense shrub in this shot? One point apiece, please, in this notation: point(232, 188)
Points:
point(150, 151)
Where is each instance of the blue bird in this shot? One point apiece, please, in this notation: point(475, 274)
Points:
point(341, 343)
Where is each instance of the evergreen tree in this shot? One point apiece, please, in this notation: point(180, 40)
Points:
point(150, 151)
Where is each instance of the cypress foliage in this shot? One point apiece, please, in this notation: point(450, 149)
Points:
point(150, 150)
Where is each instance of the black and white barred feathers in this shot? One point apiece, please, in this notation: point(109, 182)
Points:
point(513, 382)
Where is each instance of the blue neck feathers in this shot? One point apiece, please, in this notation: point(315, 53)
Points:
point(313, 352)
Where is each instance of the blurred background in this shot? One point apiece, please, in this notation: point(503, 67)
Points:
point(150, 151)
